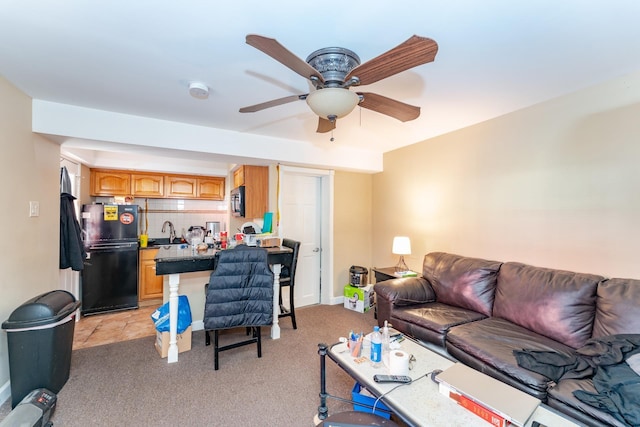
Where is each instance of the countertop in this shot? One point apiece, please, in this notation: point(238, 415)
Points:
point(156, 243)
point(173, 259)
point(168, 253)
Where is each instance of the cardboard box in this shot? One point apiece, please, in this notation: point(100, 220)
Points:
point(268, 242)
point(162, 342)
point(359, 299)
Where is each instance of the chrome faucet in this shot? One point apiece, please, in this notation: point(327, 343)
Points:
point(172, 231)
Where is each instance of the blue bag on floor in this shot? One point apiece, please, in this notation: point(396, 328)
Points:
point(160, 317)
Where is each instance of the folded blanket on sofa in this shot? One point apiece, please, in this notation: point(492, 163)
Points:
point(603, 360)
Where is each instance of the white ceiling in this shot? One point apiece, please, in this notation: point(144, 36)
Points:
point(138, 57)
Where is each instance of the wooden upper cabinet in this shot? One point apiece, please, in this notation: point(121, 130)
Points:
point(110, 183)
point(256, 188)
point(238, 177)
point(210, 188)
point(144, 185)
point(190, 187)
point(153, 185)
point(181, 187)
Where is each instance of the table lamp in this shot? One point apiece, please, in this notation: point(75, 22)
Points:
point(402, 247)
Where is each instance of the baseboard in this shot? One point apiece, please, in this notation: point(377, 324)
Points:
point(197, 325)
point(337, 300)
point(5, 392)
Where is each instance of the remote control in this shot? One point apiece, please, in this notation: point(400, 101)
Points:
point(392, 379)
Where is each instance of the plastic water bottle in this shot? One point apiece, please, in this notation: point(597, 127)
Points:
point(385, 338)
point(376, 345)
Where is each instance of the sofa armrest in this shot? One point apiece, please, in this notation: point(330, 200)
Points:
point(400, 292)
point(405, 291)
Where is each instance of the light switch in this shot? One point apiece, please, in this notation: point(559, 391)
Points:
point(34, 208)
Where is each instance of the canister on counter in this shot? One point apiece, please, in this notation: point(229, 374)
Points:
point(223, 239)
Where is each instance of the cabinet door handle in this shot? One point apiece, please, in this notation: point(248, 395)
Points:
point(316, 250)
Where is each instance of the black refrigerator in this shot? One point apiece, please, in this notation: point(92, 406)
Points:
point(109, 280)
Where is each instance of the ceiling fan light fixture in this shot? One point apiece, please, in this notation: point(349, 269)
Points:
point(199, 90)
point(336, 102)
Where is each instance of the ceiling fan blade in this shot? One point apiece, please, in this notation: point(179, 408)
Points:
point(325, 125)
point(272, 103)
point(413, 52)
point(390, 107)
point(278, 52)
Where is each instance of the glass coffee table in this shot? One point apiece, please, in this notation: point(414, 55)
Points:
point(419, 403)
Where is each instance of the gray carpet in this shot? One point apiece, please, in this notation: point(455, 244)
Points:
point(128, 384)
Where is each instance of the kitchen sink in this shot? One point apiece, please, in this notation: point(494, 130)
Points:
point(163, 241)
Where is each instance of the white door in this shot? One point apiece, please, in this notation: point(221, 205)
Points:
point(300, 219)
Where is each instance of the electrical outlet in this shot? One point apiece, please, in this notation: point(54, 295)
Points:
point(34, 208)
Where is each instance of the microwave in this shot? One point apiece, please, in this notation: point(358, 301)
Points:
point(238, 201)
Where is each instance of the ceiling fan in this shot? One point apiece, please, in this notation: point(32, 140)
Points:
point(333, 70)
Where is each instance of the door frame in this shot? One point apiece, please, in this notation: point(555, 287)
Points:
point(326, 223)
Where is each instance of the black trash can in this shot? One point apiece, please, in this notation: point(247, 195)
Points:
point(40, 340)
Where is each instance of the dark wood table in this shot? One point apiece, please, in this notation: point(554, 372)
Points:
point(173, 260)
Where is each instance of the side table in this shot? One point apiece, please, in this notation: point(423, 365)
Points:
point(383, 273)
point(386, 273)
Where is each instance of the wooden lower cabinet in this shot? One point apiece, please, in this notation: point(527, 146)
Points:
point(150, 286)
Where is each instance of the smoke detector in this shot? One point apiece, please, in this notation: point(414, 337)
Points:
point(199, 90)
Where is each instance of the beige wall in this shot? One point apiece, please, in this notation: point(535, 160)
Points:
point(555, 185)
point(352, 225)
point(30, 172)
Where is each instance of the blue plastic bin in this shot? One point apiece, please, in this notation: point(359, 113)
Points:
point(356, 396)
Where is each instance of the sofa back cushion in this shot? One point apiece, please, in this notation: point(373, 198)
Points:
point(461, 281)
point(617, 308)
point(558, 304)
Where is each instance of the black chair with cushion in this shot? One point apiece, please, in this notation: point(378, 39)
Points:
point(287, 278)
point(239, 295)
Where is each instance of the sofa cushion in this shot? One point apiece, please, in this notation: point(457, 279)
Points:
point(461, 281)
point(491, 342)
point(436, 316)
point(555, 303)
point(617, 308)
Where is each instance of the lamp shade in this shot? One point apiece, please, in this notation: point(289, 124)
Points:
point(332, 102)
point(401, 245)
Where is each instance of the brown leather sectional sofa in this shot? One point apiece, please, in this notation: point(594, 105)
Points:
point(480, 311)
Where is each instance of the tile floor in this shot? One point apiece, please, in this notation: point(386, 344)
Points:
point(100, 329)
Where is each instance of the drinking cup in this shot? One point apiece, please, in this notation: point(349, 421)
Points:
point(355, 347)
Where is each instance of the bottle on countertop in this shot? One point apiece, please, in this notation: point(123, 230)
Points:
point(376, 346)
